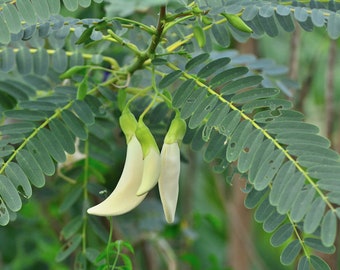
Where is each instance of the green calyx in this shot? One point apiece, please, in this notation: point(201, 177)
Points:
point(128, 124)
point(176, 131)
point(145, 138)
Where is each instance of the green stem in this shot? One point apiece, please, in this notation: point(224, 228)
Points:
point(85, 194)
point(156, 38)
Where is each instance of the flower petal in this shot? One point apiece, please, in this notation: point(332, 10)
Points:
point(123, 199)
point(169, 178)
point(151, 171)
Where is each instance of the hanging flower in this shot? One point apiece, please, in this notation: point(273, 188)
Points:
point(123, 198)
point(168, 182)
point(151, 157)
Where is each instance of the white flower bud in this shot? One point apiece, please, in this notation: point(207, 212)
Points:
point(169, 178)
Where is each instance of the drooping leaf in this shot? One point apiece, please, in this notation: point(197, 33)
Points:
point(68, 248)
point(74, 124)
point(328, 228)
point(9, 194)
point(202, 110)
point(19, 179)
point(314, 215)
point(282, 235)
point(31, 168)
point(52, 145)
point(290, 252)
point(40, 154)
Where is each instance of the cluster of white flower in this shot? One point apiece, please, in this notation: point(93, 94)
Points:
point(144, 167)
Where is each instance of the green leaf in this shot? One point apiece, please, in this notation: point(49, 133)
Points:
point(301, 14)
point(24, 60)
point(286, 22)
point(7, 59)
point(303, 263)
point(290, 191)
point(40, 154)
point(238, 140)
point(264, 210)
point(272, 104)
point(261, 154)
point(52, 145)
point(314, 216)
point(63, 135)
point(291, 126)
point(240, 84)
point(254, 197)
point(183, 92)
point(249, 150)
point(31, 168)
point(67, 249)
point(282, 235)
point(18, 178)
point(169, 79)
point(197, 60)
point(197, 142)
point(192, 102)
point(254, 94)
point(54, 6)
point(84, 112)
point(26, 10)
point(221, 35)
point(41, 8)
point(229, 123)
point(302, 203)
point(5, 36)
point(85, 3)
point(328, 228)
point(17, 128)
point(269, 25)
point(312, 149)
point(4, 215)
point(212, 67)
point(290, 252)
point(268, 169)
point(25, 114)
point(72, 227)
point(216, 117)
point(273, 221)
point(333, 25)
point(215, 147)
point(74, 124)
point(71, 5)
point(202, 110)
point(70, 199)
point(317, 245)
point(319, 263)
point(9, 194)
point(40, 62)
point(301, 138)
point(199, 35)
point(82, 88)
point(317, 17)
point(12, 18)
point(59, 60)
point(228, 75)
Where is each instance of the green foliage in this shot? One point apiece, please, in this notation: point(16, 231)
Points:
point(64, 82)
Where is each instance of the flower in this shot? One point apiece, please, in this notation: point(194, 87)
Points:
point(123, 198)
point(144, 167)
point(168, 182)
point(151, 157)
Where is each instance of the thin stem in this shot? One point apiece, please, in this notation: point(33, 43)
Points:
point(156, 38)
point(85, 194)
